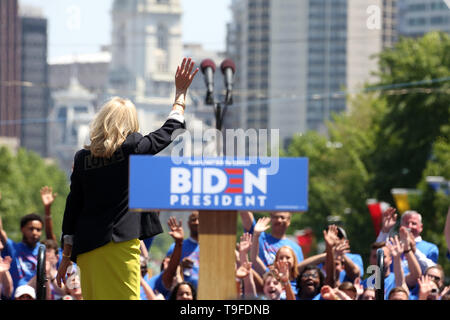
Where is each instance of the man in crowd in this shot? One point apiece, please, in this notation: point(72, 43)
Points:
point(23, 254)
point(411, 227)
point(270, 243)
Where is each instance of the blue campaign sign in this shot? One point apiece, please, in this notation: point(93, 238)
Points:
point(160, 183)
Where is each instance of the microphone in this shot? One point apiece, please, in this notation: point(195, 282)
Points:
point(208, 68)
point(228, 69)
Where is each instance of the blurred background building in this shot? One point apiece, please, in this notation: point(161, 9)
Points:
point(73, 110)
point(35, 92)
point(296, 58)
point(10, 71)
point(417, 17)
point(91, 70)
point(146, 49)
point(297, 62)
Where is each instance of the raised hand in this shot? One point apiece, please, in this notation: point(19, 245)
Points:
point(388, 219)
point(406, 239)
point(395, 246)
point(342, 248)
point(5, 264)
point(359, 287)
point(244, 270)
point(262, 225)
point(331, 236)
point(444, 291)
point(282, 269)
point(328, 293)
point(47, 196)
point(184, 75)
point(246, 243)
point(411, 239)
point(425, 287)
point(176, 229)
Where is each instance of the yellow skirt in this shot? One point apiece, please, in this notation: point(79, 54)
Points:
point(111, 272)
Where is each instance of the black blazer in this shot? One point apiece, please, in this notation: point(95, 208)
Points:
point(97, 205)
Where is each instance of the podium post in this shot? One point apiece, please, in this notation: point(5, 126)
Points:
point(217, 239)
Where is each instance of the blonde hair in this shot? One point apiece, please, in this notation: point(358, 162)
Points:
point(114, 122)
point(294, 271)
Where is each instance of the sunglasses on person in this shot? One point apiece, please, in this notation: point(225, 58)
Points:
point(313, 275)
point(435, 278)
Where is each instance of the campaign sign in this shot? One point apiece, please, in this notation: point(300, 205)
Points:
point(157, 183)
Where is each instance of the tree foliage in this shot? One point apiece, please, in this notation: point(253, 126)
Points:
point(416, 113)
point(388, 139)
point(22, 177)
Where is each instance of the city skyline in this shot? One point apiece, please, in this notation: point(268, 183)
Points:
point(79, 18)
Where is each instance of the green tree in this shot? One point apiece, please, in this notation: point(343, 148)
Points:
point(22, 176)
point(387, 139)
point(419, 70)
point(338, 175)
point(432, 204)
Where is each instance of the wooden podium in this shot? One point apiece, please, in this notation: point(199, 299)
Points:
point(157, 183)
point(217, 240)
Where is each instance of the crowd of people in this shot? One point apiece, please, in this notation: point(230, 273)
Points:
point(269, 266)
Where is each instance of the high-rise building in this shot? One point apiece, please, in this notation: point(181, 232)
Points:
point(390, 20)
point(10, 86)
point(295, 59)
point(36, 94)
point(146, 50)
point(417, 17)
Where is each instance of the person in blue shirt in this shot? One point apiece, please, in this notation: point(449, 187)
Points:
point(24, 253)
point(309, 283)
point(427, 253)
point(348, 266)
point(164, 281)
point(190, 254)
point(388, 276)
point(270, 243)
point(6, 283)
point(156, 282)
point(436, 274)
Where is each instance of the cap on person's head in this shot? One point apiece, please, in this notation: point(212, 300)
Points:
point(341, 233)
point(25, 289)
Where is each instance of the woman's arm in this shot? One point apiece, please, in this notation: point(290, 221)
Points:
point(161, 138)
point(65, 263)
point(260, 226)
point(315, 260)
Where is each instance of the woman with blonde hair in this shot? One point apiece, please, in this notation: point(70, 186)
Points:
point(98, 232)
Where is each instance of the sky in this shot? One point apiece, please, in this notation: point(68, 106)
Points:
point(82, 26)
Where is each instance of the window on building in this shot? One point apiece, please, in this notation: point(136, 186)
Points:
point(162, 37)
